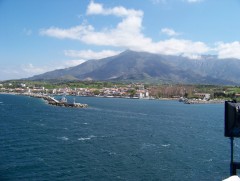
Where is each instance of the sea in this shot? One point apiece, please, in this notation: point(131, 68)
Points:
point(113, 139)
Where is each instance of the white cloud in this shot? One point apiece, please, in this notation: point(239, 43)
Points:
point(192, 56)
point(10, 73)
point(72, 63)
point(126, 35)
point(169, 32)
point(89, 54)
point(96, 8)
point(179, 46)
point(31, 69)
point(228, 50)
point(23, 71)
point(77, 32)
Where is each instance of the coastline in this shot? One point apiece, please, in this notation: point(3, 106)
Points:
point(8, 93)
point(49, 99)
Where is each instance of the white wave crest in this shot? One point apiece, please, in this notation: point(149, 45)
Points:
point(209, 160)
point(86, 138)
point(64, 138)
point(166, 145)
point(109, 152)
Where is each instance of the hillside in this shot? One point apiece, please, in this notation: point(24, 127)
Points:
point(148, 67)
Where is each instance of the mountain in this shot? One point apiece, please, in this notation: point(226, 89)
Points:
point(148, 67)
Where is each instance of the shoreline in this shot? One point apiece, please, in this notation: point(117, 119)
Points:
point(50, 101)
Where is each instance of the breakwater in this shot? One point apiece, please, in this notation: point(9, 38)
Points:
point(52, 101)
point(203, 102)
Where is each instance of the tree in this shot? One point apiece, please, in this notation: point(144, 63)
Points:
point(96, 92)
point(131, 92)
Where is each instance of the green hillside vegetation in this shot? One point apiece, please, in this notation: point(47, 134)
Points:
point(54, 84)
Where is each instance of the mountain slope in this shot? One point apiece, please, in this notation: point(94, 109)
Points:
point(76, 71)
point(142, 66)
point(227, 69)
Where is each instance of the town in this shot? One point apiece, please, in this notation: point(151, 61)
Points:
point(191, 93)
point(130, 91)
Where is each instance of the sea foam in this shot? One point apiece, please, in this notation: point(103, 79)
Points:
point(64, 138)
point(86, 138)
point(166, 145)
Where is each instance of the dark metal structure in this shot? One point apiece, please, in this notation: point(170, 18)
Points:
point(232, 130)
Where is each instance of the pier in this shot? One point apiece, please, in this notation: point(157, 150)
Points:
point(52, 101)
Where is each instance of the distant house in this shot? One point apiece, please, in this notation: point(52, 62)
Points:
point(204, 96)
point(19, 90)
point(23, 85)
point(142, 94)
point(54, 91)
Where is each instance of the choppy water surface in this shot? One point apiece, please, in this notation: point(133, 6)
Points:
point(113, 139)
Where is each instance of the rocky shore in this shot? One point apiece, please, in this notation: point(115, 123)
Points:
point(196, 101)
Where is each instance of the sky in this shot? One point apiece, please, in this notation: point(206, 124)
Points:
point(43, 35)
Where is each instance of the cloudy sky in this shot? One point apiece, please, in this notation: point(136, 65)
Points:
point(42, 35)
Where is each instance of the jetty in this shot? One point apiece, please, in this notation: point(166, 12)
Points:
point(198, 101)
point(63, 102)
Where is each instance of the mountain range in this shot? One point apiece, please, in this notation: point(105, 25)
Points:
point(148, 67)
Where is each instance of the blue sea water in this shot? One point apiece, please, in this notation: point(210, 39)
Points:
point(113, 139)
